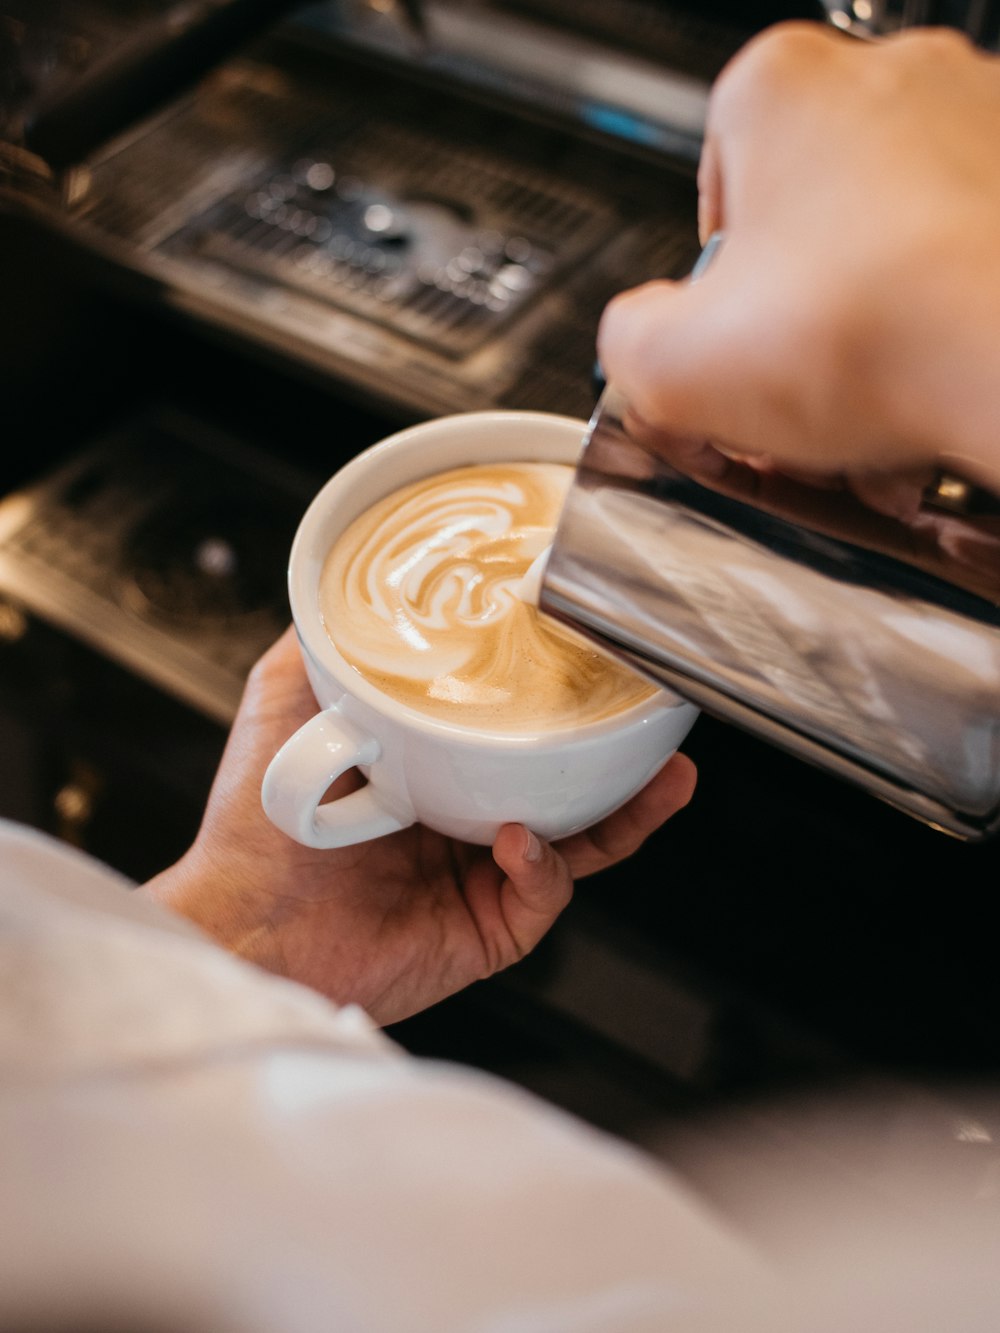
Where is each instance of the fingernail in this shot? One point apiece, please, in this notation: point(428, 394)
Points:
point(532, 850)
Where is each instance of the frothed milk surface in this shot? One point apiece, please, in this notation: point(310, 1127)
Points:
point(420, 595)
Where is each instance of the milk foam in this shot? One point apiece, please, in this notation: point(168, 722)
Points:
point(421, 595)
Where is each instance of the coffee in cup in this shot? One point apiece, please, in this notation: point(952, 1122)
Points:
point(424, 595)
point(516, 761)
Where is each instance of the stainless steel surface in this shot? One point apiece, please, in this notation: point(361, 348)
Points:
point(978, 19)
point(164, 547)
point(433, 317)
point(860, 643)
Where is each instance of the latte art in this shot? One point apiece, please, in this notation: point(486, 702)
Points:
point(421, 595)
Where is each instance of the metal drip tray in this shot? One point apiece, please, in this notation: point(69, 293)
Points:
point(438, 244)
point(438, 256)
point(163, 545)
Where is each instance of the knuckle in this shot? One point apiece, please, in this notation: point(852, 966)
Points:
point(787, 64)
point(257, 672)
point(931, 44)
point(782, 54)
point(257, 677)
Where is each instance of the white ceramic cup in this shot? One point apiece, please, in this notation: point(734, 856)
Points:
point(461, 781)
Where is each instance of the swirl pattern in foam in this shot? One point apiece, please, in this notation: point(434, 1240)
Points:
point(421, 595)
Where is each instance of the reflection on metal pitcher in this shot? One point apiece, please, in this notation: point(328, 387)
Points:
point(867, 644)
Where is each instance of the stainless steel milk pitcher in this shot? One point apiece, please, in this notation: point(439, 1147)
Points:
point(861, 643)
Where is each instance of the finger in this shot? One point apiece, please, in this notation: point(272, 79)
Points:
point(752, 479)
point(282, 655)
point(698, 459)
point(657, 344)
point(538, 885)
point(779, 69)
point(899, 495)
point(277, 686)
point(705, 359)
point(624, 832)
point(277, 700)
point(710, 200)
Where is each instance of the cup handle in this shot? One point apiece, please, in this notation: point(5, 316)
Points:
point(300, 773)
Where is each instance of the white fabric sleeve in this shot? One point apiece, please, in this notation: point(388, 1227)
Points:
point(189, 1144)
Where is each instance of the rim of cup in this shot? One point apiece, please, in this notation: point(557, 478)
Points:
point(305, 564)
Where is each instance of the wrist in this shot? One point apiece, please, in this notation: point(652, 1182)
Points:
point(221, 908)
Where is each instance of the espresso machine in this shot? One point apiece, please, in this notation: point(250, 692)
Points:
point(241, 241)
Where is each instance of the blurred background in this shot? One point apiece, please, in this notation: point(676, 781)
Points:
point(241, 241)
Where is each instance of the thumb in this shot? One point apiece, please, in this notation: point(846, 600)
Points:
point(537, 888)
